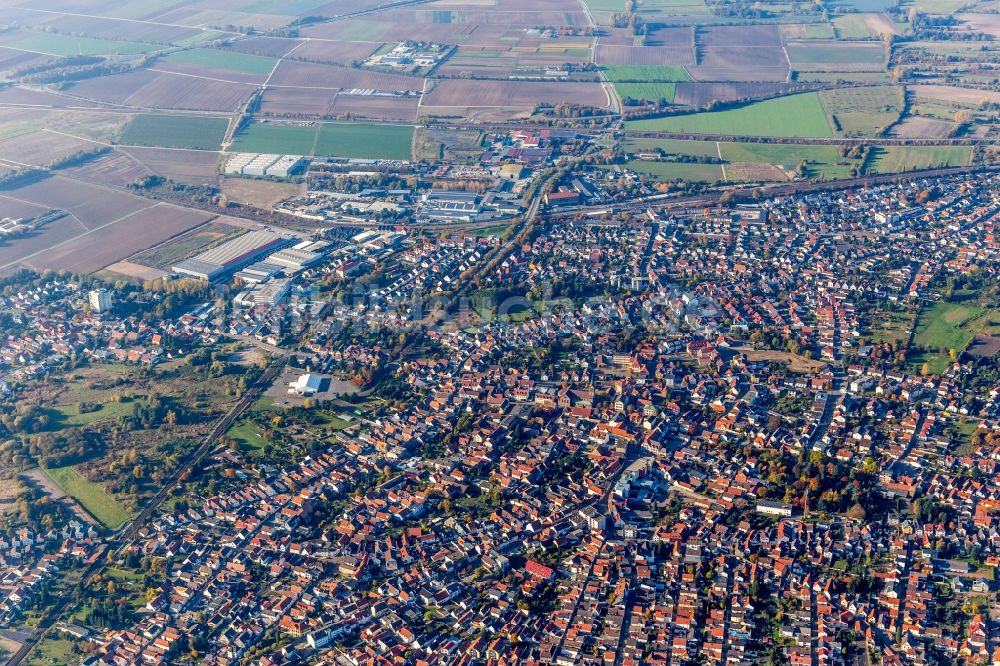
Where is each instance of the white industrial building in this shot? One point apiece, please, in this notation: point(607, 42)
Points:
point(263, 164)
point(306, 384)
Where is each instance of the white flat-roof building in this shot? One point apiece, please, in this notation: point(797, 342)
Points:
point(306, 384)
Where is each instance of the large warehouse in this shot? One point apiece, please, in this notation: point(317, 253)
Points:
point(224, 260)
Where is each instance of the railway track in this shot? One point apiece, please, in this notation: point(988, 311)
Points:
point(122, 539)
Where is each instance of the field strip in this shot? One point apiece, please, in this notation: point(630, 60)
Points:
point(76, 238)
point(123, 146)
point(125, 20)
point(722, 163)
point(73, 136)
point(199, 76)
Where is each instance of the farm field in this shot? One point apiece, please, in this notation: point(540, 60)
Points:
point(328, 139)
point(796, 115)
point(834, 55)
point(195, 132)
point(620, 73)
point(67, 45)
point(673, 146)
point(219, 59)
point(92, 496)
point(651, 82)
point(863, 111)
point(192, 167)
point(894, 159)
point(822, 162)
point(365, 141)
point(276, 138)
point(692, 171)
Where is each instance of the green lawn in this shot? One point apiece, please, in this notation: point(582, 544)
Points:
point(247, 432)
point(357, 140)
point(98, 502)
point(195, 132)
point(795, 115)
point(54, 649)
point(948, 325)
point(66, 45)
point(69, 416)
point(220, 59)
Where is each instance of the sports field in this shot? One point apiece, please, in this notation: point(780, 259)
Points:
point(796, 115)
point(196, 132)
point(92, 496)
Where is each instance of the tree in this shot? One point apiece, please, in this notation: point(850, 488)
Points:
point(856, 512)
point(925, 369)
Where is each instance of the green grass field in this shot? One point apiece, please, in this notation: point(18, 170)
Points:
point(68, 416)
point(895, 159)
point(851, 26)
point(67, 45)
point(795, 115)
point(862, 111)
point(650, 91)
point(644, 73)
point(328, 139)
point(672, 146)
point(196, 132)
point(391, 142)
point(93, 497)
point(692, 171)
point(248, 433)
point(823, 161)
point(275, 138)
point(949, 325)
point(219, 59)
